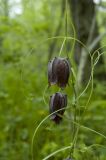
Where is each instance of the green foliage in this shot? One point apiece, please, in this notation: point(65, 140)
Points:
point(23, 65)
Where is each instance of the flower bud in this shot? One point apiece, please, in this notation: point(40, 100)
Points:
point(57, 101)
point(59, 71)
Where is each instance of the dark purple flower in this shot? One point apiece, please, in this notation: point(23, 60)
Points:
point(57, 101)
point(59, 71)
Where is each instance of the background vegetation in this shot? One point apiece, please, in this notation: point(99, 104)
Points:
point(25, 26)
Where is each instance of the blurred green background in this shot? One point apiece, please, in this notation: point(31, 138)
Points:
point(25, 26)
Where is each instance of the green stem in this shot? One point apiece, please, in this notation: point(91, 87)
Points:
point(66, 30)
point(75, 129)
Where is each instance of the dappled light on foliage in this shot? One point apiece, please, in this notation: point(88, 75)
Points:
point(32, 34)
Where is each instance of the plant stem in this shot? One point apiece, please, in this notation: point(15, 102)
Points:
point(75, 129)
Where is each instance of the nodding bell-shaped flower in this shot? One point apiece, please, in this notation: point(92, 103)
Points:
point(59, 71)
point(57, 101)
